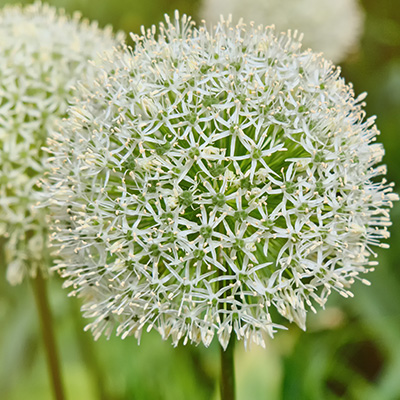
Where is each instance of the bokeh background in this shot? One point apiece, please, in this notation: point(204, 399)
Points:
point(350, 351)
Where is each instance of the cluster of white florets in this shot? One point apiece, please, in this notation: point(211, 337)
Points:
point(42, 54)
point(333, 27)
point(208, 178)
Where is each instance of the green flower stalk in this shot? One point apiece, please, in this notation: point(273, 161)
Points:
point(209, 178)
point(43, 53)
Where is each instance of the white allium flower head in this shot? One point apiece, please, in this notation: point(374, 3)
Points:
point(333, 27)
point(42, 53)
point(208, 179)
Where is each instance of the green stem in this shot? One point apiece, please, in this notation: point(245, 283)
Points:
point(42, 304)
point(89, 356)
point(228, 371)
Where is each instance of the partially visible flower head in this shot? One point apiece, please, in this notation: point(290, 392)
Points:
point(333, 27)
point(42, 54)
point(208, 179)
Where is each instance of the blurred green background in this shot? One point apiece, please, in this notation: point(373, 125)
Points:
point(350, 351)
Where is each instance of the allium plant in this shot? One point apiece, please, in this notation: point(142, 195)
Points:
point(208, 179)
point(333, 27)
point(42, 54)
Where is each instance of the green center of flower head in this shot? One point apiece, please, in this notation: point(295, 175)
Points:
point(249, 192)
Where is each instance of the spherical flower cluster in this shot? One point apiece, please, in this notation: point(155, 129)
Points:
point(333, 27)
point(42, 53)
point(208, 179)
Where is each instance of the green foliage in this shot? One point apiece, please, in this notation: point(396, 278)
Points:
point(351, 351)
